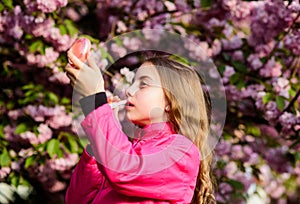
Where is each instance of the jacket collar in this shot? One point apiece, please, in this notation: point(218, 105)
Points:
point(154, 130)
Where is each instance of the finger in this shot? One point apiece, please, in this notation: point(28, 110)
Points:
point(92, 62)
point(75, 61)
point(116, 99)
point(72, 79)
point(72, 72)
point(116, 113)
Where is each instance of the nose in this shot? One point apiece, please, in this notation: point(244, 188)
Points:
point(130, 91)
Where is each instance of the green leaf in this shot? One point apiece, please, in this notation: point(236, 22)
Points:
point(52, 147)
point(239, 66)
point(236, 184)
point(28, 86)
point(221, 68)
point(29, 161)
point(226, 56)
point(2, 131)
point(266, 98)
point(253, 130)
point(1, 7)
point(59, 153)
point(65, 100)
point(234, 78)
point(295, 144)
point(22, 127)
point(206, 3)
point(72, 30)
point(240, 84)
point(292, 93)
point(4, 158)
point(35, 46)
point(182, 60)
point(28, 37)
point(73, 144)
point(53, 97)
point(280, 102)
point(106, 55)
point(119, 42)
point(24, 182)
point(14, 181)
point(63, 30)
point(8, 3)
point(297, 156)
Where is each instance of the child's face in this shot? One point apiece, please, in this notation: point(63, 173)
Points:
point(146, 99)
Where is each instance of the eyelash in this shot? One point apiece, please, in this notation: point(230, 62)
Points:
point(143, 84)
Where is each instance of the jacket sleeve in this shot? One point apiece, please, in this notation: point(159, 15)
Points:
point(85, 182)
point(135, 174)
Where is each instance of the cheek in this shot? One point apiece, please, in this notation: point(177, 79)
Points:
point(156, 112)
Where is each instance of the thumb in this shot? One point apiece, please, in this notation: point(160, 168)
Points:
point(92, 62)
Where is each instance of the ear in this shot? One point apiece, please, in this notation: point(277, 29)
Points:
point(167, 108)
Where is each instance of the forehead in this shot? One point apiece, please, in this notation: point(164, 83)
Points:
point(147, 69)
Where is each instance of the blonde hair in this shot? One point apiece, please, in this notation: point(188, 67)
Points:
point(189, 115)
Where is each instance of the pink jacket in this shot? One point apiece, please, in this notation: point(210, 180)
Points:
point(159, 166)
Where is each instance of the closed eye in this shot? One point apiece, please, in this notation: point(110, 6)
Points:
point(143, 84)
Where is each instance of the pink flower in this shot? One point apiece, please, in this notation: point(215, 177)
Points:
point(271, 111)
point(24, 153)
point(237, 152)
point(15, 166)
point(30, 136)
point(223, 148)
point(269, 131)
point(229, 4)
point(4, 171)
point(288, 119)
point(41, 26)
point(231, 169)
point(45, 133)
point(275, 189)
point(57, 186)
point(268, 19)
point(276, 157)
point(254, 61)
point(9, 133)
point(282, 87)
point(271, 69)
point(238, 55)
point(46, 6)
point(232, 43)
point(35, 112)
point(153, 35)
point(216, 47)
point(292, 41)
point(119, 51)
point(59, 77)
point(15, 114)
point(132, 43)
point(61, 120)
point(228, 72)
point(232, 92)
point(42, 60)
point(121, 27)
point(64, 163)
point(128, 74)
point(73, 14)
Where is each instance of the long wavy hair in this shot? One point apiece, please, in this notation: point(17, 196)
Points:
point(189, 115)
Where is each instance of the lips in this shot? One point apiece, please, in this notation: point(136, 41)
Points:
point(129, 104)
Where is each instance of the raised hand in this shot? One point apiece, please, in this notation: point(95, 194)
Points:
point(85, 78)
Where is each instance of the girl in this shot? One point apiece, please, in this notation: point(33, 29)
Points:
point(162, 162)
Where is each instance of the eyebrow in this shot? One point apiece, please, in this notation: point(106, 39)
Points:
point(142, 77)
